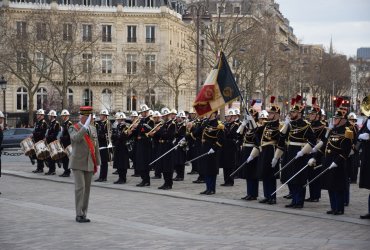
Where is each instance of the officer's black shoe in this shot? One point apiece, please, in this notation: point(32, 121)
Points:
point(135, 175)
point(290, 205)
point(65, 174)
point(82, 219)
point(271, 201)
point(101, 180)
point(143, 184)
point(50, 173)
point(298, 206)
point(35, 171)
point(245, 197)
point(120, 181)
point(167, 187)
point(311, 200)
point(366, 216)
point(178, 179)
point(162, 187)
point(204, 192)
point(251, 198)
point(264, 200)
point(199, 181)
point(331, 212)
point(156, 177)
point(210, 192)
point(227, 184)
point(288, 196)
point(193, 172)
point(338, 213)
point(115, 172)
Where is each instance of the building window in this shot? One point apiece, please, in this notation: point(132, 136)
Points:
point(70, 98)
point(106, 63)
point(131, 3)
point(87, 2)
point(150, 97)
point(237, 10)
point(21, 30)
point(221, 28)
point(107, 99)
point(131, 64)
point(86, 32)
point(149, 3)
point(41, 1)
point(40, 62)
point(131, 34)
point(22, 99)
point(150, 64)
point(87, 63)
point(41, 31)
point(131, 99)
point(107, 33)
point(65, 2)
point(42, 98)
point(150, 34)
point(87, 97)
point(106, 2)
point(21, 61)
point(67, 32)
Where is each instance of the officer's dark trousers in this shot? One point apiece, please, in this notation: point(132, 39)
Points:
point(145, 176)
point(368, 204)
point(180, 169)
point(252, 187)
point(103, 170)
point(167, 176)
point(51, 165)
point(314, 187)
point(269, 186)
point(122, 172)
point(65, 162)
point(336, 200)
point(40, 164)
point(210, 182)
point(227, 178)
point(298, 193)
point(347, 192)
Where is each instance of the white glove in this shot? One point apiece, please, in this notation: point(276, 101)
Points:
point(352, 152)
point(368, 123)
point(333, 165)
point(249, 118)
point(274, 162)
point(244, 123)
point(311, 162)
point(331, 125)
point(211, 151)
point(364, 136)
point(250, 158)
point(314, 150)
point(299, 154)
point(287, 120)
point(87, 122)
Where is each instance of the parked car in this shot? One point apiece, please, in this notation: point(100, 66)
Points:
point(14, 136)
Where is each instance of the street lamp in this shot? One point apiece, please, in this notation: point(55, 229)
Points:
point(201, 12)
point(3, 83)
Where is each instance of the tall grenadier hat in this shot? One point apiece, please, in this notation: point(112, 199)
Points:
point(274, 108)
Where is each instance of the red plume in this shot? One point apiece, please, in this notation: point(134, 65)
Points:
point(272, 99)
point(314, 99)
point(292, 102)
point(339, 102)
point(253, 102)
point(298, 99)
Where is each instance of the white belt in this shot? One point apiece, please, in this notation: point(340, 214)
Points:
point(292, 143)
point(268, 143)
point(249, 145)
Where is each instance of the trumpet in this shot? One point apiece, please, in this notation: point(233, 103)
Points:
point(129, 128)
point(159, 125)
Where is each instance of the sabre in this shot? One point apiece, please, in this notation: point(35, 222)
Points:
point(286, 165)
point(316, 176)
point(290, 179)
point(160, 157)
point(211, 151)
point(109, 146)
point(238, 169)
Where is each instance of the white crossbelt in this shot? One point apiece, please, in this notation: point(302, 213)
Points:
point(249, 145)
point(292, 143)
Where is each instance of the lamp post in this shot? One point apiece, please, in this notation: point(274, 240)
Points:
point(3, 83)
point(200, 10)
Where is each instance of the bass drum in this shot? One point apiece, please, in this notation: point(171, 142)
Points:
point(42, 150)
point(28, 147)
point(56, 150)
point(68, 151)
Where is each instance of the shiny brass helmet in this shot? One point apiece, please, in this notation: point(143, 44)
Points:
point(365, 106)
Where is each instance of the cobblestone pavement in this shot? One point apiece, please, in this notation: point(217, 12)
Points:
point(37, 212)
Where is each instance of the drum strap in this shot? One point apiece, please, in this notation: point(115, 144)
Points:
point(91, 148)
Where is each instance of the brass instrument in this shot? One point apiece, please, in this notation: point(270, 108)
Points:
point(129, 128)
point(160, 124)
point(109, 141)
point(365, 106)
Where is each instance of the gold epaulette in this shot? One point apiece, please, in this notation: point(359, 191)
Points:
point(220, 125)
point(349, 134)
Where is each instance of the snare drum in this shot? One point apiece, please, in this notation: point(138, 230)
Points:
point(28, 147)
point(42, 151)
point(68, 151)
point(56, 150)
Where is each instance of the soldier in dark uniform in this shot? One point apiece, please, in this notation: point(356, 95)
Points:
point(102, 127)
point(249, 172)
point(119, 139)
point(180, 152)
point(144, 145)
point(267, 138)
point(364, 138)
point(51, 135)
point(228, 152)
point(337, 150)
point(132, 144)
point(159, 120)
point(320, 130)
point(193, 120)
point(65, 140)
point(298, 139)
point(38, 135)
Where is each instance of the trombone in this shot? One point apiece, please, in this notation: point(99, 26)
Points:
point(159, 125)
point(129, 128)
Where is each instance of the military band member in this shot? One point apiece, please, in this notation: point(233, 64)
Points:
point(38, 134)
point(193, 120)
point(298, 139)
point(364, 138)
point(320, 130)
point(119, 139)
point(212, 139)
point(51, 135)
point(228, 152)
point(132, 144)
point(65, 140)
point(180, 152)
point(102, 127)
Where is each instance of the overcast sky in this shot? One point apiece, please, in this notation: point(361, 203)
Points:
point(315, 21)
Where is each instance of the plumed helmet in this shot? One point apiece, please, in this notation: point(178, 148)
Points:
point(40, 112)
point(181, 114)
point(263, 114)
point(104, 112)
point(230, 112)
point(165, 111)
point(274, 108)
point(144, 107)
point(64, 112)
point(52, 113)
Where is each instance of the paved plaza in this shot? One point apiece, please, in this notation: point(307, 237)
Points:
point(37, 212)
